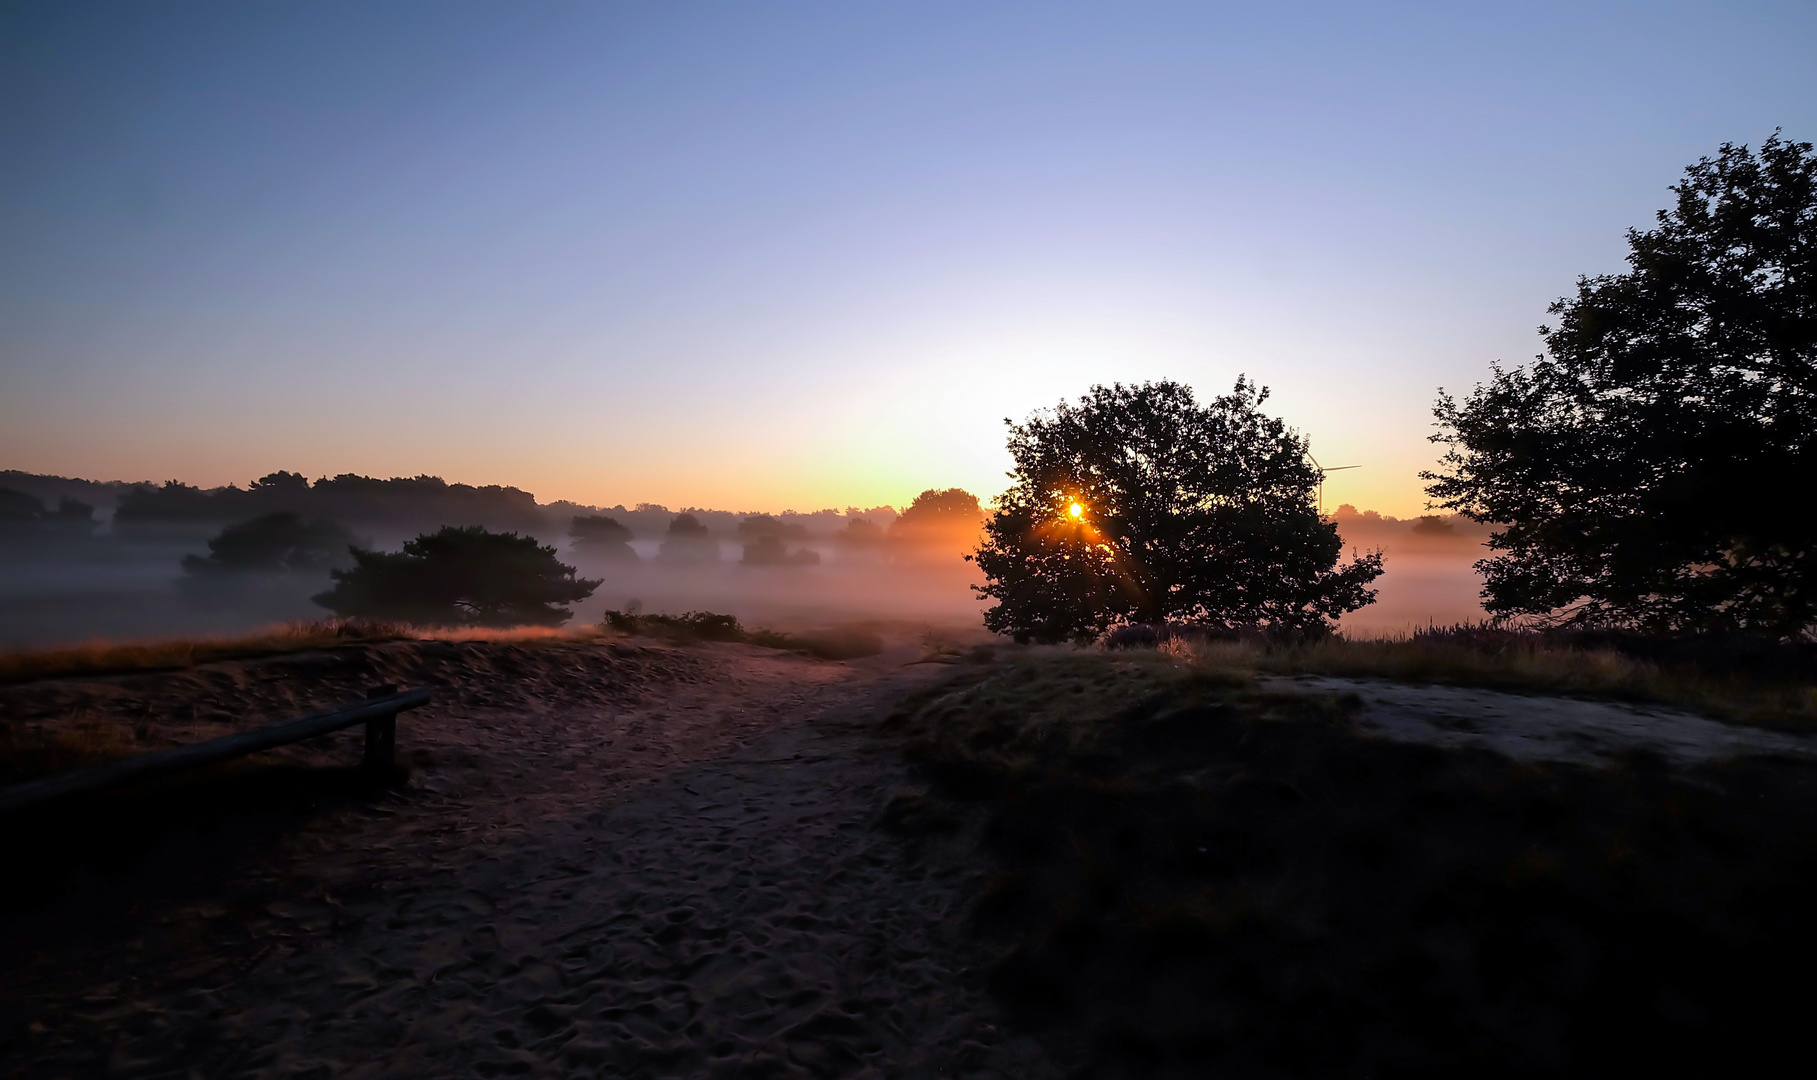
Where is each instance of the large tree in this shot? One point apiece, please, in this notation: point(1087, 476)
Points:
point(1137, 504)
point(1649, 469)
point(277, 543)
point(460, 575)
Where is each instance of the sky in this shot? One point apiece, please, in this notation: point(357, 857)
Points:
point(794, 255)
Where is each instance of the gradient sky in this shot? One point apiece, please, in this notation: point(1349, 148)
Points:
point(792, 255)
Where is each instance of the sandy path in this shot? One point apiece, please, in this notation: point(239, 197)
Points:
point(1539, 728)
point(684, 883)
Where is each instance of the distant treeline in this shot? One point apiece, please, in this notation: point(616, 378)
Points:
point(1367, 527)
point(363, 501)
point(52, 490)
point(400, 506)
point(652, 521)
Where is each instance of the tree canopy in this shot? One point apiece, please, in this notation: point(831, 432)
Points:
point(1644, 471)
point(688, 541)
point(597, 529)
point(279, 543)
point(940, 509)
point(1137, 504)
point(460, 575)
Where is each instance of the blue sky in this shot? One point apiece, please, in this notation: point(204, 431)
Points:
point(802, 255)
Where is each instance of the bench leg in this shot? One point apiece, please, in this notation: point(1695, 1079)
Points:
point(381, 744)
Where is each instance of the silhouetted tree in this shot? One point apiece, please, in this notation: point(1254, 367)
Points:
point(601, 537)
point(74, 514)
point(460, 575)
point(1647, 470)
point(24, 514)
point(1429, 525)
point(860, 532)
point(19, 506)
point(279, 543)
point(1139, 505)
point(950, 516)
point(688, 541)
point(765, 525)
point(769, 550)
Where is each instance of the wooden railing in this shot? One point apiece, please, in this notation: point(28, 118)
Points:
point(378, 712)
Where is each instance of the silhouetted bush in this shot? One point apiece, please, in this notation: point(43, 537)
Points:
point(689, 626)
point(460, 575)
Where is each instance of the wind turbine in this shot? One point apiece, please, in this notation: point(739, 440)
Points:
point(1322, 471)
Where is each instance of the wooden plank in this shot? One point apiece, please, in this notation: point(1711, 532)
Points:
point(240, 743)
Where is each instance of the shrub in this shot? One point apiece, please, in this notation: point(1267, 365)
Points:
point(460, 576)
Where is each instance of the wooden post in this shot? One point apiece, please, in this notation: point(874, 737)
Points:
point(381, 735)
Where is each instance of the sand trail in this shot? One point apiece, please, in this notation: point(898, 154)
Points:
point(1539, 727)
point(684, 881)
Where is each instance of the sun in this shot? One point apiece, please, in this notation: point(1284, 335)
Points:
point(1076, 510)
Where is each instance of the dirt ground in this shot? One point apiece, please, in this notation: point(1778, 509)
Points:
point(610, 859)
point(621, 858)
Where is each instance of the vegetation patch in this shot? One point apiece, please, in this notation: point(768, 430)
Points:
point(1736, 678)
point(837, 643)
point(1190, 876)
point(104, 657)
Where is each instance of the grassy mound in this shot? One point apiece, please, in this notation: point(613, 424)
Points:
point(1736, 679)
point(1190, 877)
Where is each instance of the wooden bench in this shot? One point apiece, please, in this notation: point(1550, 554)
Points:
point(378, 712)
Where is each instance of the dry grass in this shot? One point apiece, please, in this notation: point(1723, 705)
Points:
point(103, 657)
point(30, 752)
point(1518, 664)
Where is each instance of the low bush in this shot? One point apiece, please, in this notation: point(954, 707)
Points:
point(690, 626)
point(839, 643)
